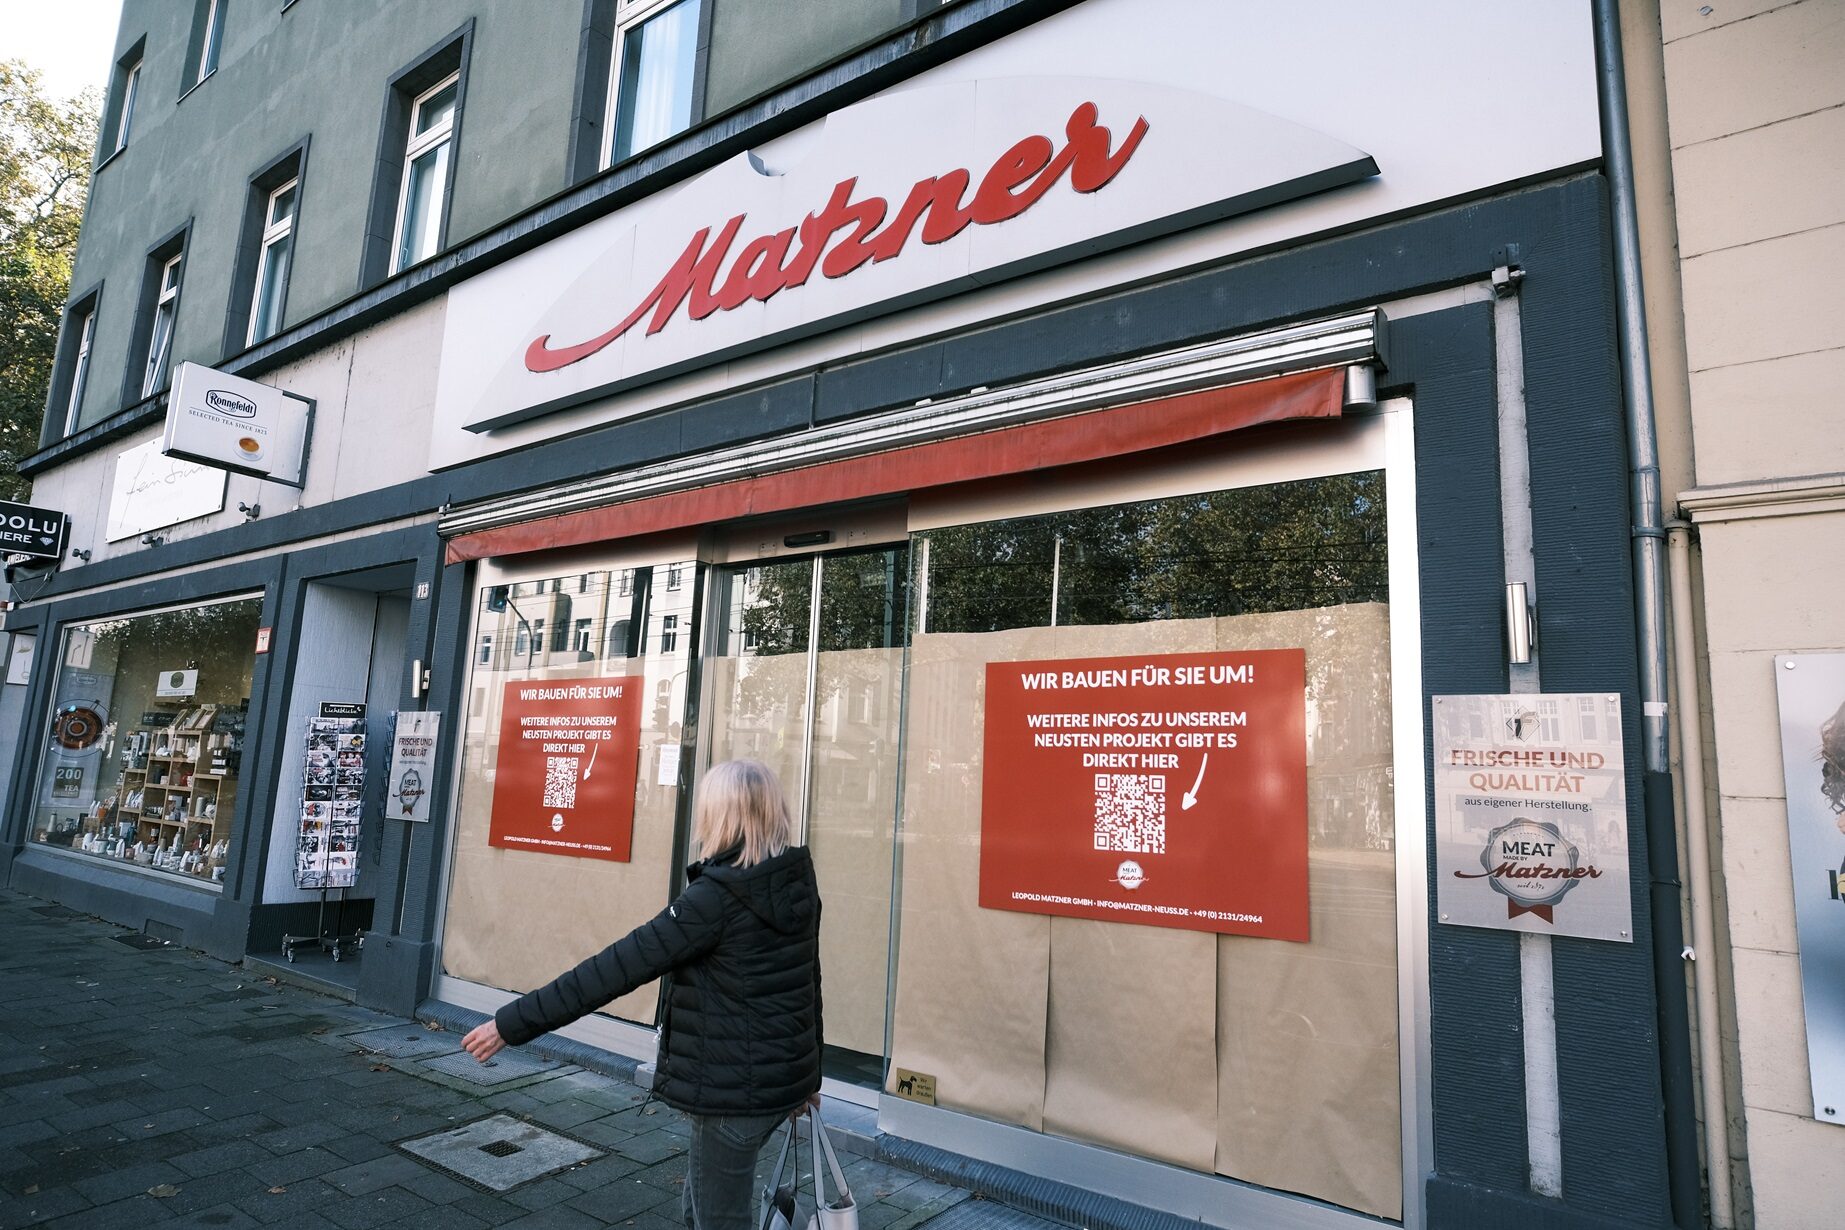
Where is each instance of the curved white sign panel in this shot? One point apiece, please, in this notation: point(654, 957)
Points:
point(905, 198)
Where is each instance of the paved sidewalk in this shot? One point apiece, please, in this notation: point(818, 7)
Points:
point(144, 1085)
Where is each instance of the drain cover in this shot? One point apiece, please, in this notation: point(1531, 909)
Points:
point(499, 1153)
point(508, 1065)
point(404, 1041)
point(136, 940)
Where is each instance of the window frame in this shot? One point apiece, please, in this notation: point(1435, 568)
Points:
point(157, 361)
point(416, 145)
point(210, 41)
point(273, 233)
point(125, 112)
point(80, 369)
point(630, 17)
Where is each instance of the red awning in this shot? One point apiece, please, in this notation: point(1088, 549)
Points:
point(1114, 432)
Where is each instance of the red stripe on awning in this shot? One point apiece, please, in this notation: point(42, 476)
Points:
point(1065, 441)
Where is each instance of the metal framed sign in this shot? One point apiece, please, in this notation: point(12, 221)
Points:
point(1531, 814)
point(1811, 687)
point(36, 533)
point(237, 425)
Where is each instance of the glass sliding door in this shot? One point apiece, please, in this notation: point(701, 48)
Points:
point(805, 673)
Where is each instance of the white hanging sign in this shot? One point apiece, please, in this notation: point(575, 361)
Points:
point(237, 425)
point(413, 766)
point(1531, 814)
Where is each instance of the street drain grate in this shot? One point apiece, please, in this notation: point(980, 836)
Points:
point(499, 1153)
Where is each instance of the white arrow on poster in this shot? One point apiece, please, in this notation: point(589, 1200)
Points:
point(1531, 814)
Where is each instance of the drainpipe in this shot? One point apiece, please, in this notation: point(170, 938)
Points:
point(1697, 856)
point(1649, 602)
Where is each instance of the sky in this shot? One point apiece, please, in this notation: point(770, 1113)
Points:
point(69, 41)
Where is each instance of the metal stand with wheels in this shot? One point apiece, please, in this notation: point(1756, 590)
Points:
point(337, 943)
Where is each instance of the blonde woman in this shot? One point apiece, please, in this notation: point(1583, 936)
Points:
point(740, 1040)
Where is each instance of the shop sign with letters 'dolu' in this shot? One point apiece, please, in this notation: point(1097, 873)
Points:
point(1531, 814)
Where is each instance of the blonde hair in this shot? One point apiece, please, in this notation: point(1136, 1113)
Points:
point(740, 803)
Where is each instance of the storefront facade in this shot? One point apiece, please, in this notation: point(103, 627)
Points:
point(1077, 487)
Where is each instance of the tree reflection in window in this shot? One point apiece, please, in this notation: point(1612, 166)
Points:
point(1282, 547)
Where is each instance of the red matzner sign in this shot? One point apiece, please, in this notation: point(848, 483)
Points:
point(1169, 789)
point(932, 208)
point(564, 781)
point(888, 204)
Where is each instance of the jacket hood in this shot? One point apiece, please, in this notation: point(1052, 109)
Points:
point(780, 891)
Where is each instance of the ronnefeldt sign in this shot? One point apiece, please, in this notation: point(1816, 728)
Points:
point(236, 424)
point(899, 200)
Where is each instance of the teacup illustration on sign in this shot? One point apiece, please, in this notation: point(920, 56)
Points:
point(250, 447)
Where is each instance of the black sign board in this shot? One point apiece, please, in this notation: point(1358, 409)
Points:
point(341, 709)
point(35, 532)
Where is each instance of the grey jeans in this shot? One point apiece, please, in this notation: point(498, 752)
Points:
point(720, 1180)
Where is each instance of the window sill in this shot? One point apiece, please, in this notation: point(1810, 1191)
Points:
point(209, 887)
point(195, 85)
point(114, 154)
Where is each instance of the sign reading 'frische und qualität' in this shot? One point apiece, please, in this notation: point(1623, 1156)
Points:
point(1531, 814)
point(1169, 789)
point(568, 758)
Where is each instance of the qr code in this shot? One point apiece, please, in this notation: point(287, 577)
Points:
point(1130, 812)
point(560, 781)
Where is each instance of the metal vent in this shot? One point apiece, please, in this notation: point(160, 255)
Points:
point(501, 1148)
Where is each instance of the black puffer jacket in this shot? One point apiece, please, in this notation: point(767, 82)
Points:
point(741, 948)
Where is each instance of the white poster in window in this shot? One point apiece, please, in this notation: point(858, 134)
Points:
point(19, 658)
point(669, 764)
point(153, 491)
point(1811, 690)
point(1531, 814)
point(413, 766)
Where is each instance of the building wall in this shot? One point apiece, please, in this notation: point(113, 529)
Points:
point(1756, 103)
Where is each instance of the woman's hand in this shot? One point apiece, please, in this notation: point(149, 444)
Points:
point(812, 1103)
point(484, 1041)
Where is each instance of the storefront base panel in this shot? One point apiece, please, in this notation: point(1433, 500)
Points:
point(1084, 1183)
point(1453, 1205)
point(190, 917)
point(395, 973)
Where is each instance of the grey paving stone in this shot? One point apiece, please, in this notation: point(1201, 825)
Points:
point(542, 1194)
point(370, 1176)
point(121, 1215)
point(304, 1164)
point(386, 1207)
point(217, 1158)
point(650, 1147)
point(219, 1217)
point(176, 1120)
point(41, 1206)
point(294, 1205)
point(289, 1138)
point(619, 1200)
point(560, 1217)
point(115, 1184)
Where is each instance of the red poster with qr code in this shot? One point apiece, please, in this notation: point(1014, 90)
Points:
point(1169, 790)
point(564, 780)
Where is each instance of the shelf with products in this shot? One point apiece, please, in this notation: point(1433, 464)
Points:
point(175, 793)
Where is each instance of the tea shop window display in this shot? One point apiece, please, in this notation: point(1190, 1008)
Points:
point(175, 793)
point(145, 737)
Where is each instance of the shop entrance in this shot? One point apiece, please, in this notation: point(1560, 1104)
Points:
point(803, 670)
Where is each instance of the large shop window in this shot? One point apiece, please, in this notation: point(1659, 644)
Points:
point(1274, 1061)
point(565, 830)
point(145, 738)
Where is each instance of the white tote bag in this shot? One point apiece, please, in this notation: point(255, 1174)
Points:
point(840, 1213)
point(778, 1196)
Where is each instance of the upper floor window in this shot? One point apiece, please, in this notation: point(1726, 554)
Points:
point(121, 114)
point(207, 35)
point(160, 340)
point(272, 262)
point(426, 174)
point(80, 370)
point(651, 83)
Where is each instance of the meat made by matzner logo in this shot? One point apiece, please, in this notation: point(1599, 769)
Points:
point(1530, 863)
